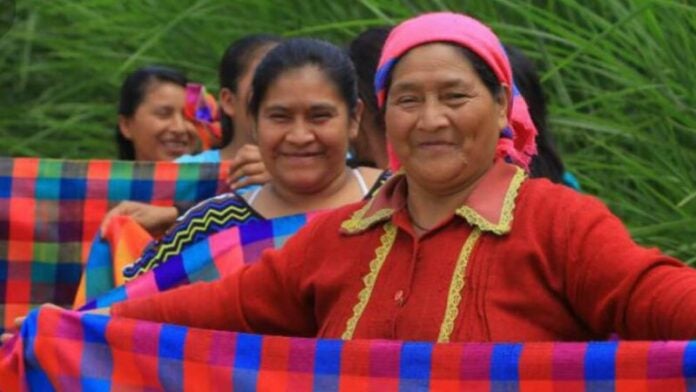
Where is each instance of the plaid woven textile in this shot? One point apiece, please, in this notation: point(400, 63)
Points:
point(60, 350)
point(122, 243)
point(208, 259)
point(50, 211)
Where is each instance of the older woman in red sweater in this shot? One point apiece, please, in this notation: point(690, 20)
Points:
point(461, 246)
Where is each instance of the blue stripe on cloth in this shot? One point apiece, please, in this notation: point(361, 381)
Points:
point(327, 365)
point(414, 366)
point(100, 264)
point(94, 328)
point(172, 340)
point(73, 188)
point(141, 190)
point(170, 368)
point(184, 191)
point(118, 294)
point(96, 364)
point(91, 384)
point(170, 273)
point(288, 225)
point(689, 367)
point(119, 189)
point(196, 257)
point(37, 380)
point(600, 366)
point(505, 361)
point(255, 230)
point(247, 359)
point(205, 188)
point(47, 189)
point(5, 187)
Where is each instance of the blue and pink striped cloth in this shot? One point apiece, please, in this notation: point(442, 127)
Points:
point(71, 351)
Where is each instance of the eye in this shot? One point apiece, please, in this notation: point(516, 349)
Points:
point(320, 117)
point(455, 97)
point(279, 117)
point(164, 113)
point(407, 101)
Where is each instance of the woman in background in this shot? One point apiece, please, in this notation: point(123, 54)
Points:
point(151, 124)
point(237, 67)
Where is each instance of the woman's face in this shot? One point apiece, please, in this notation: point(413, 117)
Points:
point(441, 119)
point(158, 129)
point(303, 130)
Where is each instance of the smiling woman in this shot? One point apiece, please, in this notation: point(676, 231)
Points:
point(303, 140)
point(151, 124)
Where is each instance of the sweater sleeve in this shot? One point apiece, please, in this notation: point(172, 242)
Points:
point(269, 296)
point(618, 286)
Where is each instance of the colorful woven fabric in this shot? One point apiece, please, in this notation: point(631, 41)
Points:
point(188, 260)
point(517, 141)
point(209, 217)
point(201, 109)
point(59, 350)
point(216, 255)
point(50, 211)
point(123, 242)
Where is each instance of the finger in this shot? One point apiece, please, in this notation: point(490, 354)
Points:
point(250, 180)
point(5, 337)
point(121, 208)
point(18, 321)
point(105, 224)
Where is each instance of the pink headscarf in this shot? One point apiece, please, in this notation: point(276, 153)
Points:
point(517, 141)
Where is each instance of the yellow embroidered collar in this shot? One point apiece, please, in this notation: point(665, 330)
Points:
point(489, 207)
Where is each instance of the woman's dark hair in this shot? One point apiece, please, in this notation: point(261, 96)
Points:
point(364, 51)
point(234, 64)
point(297, 53)
point(133, 92)
point(483, 70)
point(547, 163)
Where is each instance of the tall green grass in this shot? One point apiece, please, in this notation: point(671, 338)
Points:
point(618, 74)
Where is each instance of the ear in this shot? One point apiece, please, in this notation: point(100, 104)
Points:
point(354, 126)
point(503, 104)
point(124, 127)
point(254, 131)
point(227, 101)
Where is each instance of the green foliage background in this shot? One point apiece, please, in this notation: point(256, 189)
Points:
point(619, 75)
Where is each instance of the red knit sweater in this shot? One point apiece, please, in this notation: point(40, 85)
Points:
point(536, 261)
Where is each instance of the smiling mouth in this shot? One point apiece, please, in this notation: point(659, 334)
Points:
point(175, 145)
point(301, 154)
point(435, 144)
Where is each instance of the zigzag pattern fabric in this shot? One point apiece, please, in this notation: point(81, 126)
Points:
point(194, 249)
point(59, 350)
point(216, 255)
point(219, 213)
point(51, 209)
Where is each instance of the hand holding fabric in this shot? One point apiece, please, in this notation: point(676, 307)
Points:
point(155, 219)
point(247, 168)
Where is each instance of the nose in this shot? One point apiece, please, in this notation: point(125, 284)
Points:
point(300, 133)
point(181, 124)
point(432, 116)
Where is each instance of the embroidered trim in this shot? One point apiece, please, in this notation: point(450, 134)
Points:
point(506, 217)
point(357, 222)
point(454, 297)
point(387, 241)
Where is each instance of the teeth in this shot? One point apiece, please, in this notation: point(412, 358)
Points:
point(174, 144)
